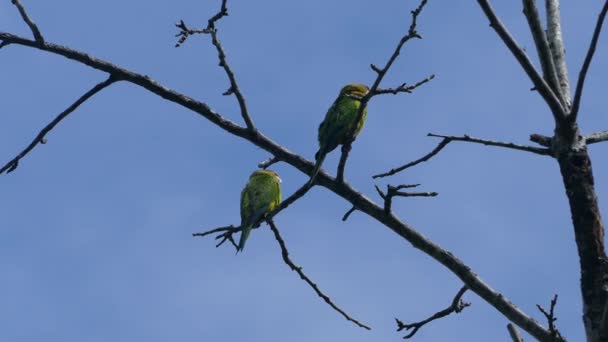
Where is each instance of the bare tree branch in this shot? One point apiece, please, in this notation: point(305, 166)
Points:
point(585, 68)
point(542, 140)
point(596, 137)
point(39, 139)
point(556, 45)
point(226, 234)
point(350, 211)
point(212, 31)
point(514, 333)
point(550, 316)
point(373, 90)
point(456, 307)
point(342, 189)
point(428, 156)
point(298, 269)
point(448, 139)
point(26, 18)
point(542, 47)
point(466, 138)
point(544, 90)
point(403, 88)
point(393, 191)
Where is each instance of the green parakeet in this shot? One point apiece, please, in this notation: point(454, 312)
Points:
point(261, 194)
point(339, 121)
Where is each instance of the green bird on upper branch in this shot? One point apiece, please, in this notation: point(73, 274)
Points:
point(261, 195)
point(339, 122)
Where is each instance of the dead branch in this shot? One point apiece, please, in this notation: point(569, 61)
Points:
point(428, 156)
point(550, 316)
point(596, 137)
point(212, 31)
point(543, 88)
point(30, 23)
point(509, 145)
point(542, 140)
point(403, 88)
point(456, 306)
point(40, 138)
point(542, 47)
point(514, 333)
point(556, 45)
point(298, 269)
point(347, 214)
point(394, 191)
point(585, 68)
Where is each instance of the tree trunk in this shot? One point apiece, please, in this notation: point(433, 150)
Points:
point(577, 175)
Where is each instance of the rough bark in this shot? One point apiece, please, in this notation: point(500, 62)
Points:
point(578, 181)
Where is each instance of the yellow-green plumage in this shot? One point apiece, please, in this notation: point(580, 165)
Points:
point(339, 122)
point(261, 194)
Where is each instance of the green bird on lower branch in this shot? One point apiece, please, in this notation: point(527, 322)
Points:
point(261, 195)
point(339, 122)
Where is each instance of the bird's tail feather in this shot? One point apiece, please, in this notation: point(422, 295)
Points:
point(320, 157)
point(244, 235)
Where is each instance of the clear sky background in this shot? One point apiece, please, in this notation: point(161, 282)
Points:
point(95, 241)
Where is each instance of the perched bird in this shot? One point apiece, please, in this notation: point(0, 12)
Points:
point(339, 122)
point(261, 194)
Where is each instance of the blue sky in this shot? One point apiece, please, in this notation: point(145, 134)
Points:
point(96, 240)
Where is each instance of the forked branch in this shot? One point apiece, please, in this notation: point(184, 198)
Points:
point(212, 31)
point(456, 307)
point(449, 138)
point(29, 22)
point(541, 86)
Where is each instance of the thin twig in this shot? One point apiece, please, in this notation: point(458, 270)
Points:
point(542, 47)
point(393, 191)
point(456, 306)
point(298, 269)
point(226, 234)
point(550, 316)
point(14, 163)
point(428, 156)
point(350, 211)
point(403, 88)
point(212, 31)
point(35, 31)
point(466, 138)
point(514, 333)
point(585, 68)
point(448, 138)
point(544, 90)
point(381, 72)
